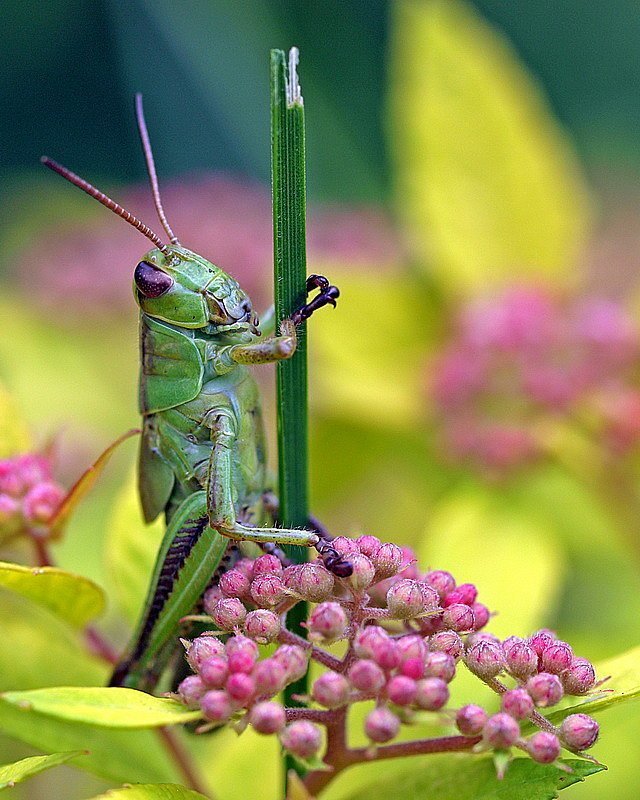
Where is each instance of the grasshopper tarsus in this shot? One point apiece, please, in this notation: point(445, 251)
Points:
point(327, 295)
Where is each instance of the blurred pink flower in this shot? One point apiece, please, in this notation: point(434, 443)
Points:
point(225, 219)
point(525, 359)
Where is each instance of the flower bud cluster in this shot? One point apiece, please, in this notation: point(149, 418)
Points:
point(545, 670)
point(401, 635)
point(29, 497)
point(525, 361)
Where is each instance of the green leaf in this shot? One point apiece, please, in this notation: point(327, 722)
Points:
point(623, 685)
point(39, 649)
point(14, 434)
point(151, 791)
point(487, 183)
point(111, 707)
point(75, 599)
point(464, 778)
point(131, 550)
point(116, 755)
point(10, 774)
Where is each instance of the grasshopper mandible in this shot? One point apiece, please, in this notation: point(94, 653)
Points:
point(202, 452)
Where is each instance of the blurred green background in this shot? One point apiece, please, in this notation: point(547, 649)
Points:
point(453, 150)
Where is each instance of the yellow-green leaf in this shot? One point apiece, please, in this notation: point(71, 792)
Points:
point(151, 791)
point(131, 550)
point(488, 186)
point(623, 685)
point(117, 755)
point(14, 434)
point(462, 777)
point(10, 774)
point(110, 707)
point(72, 597)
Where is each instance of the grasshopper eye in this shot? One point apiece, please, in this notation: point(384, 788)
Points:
point(151, 281)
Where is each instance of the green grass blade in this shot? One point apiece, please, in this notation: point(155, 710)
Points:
point(290, 273)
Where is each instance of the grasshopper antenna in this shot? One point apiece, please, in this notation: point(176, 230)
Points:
point(101, 197)
point(151, 169)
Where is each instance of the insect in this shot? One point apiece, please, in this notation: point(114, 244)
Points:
point(202, 452)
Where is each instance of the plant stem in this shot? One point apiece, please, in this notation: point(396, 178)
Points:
point(290, 273)
point(182, 760)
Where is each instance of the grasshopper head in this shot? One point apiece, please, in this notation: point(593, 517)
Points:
point(184, 289)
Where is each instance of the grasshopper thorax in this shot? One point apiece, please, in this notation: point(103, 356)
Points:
point(180, 287)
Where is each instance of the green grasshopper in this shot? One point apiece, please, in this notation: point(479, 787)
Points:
point(202, 451)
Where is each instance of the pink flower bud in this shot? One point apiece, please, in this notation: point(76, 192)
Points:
point(331, 690)
point(214, 672)
point(522, 661)
point(216, 706)
point(557, 657)
point(235, 584)
point(267, 590)
point(363, 572)
point(386, 653)
point(471, 720)
point(270, 677)
point(262, 625)
point(245, 566)
point(364, 639)
point(32, 469)
point(430, 597)
point(404, 599)
point(241, 644)
point(10, 479)
point(294, 659)
point(228, 613)
point(314, 582)
point(447, 642)
point(412, 668)
point(267, 717)
point(267, 564)
point(440, 665)
point(402, 690)
point(302, 739)
point(211, 597)
point(41, 502)
point(543, 747)
point(242, 661)
point(579, 731)
point(191, 689)
point(327, 621)
point(381, 725)
point(345, 546)
point(540, 640)
point(201, 649)
point(8, 508)
point(443, 582)
point(545, 689)
point(386, 560)
point(432, 694)
point(411, 647)
point(500, 731)
point(465, 593)
point(579, 678)
point(510, 641)
point(409, 564)
point(366, 676)
point(485, 659)
point(240, 687)
point(481, 614)
point(368, 545)
point(458, 617)
point(517, 703)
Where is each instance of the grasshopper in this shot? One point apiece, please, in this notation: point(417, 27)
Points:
point(202, 451)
